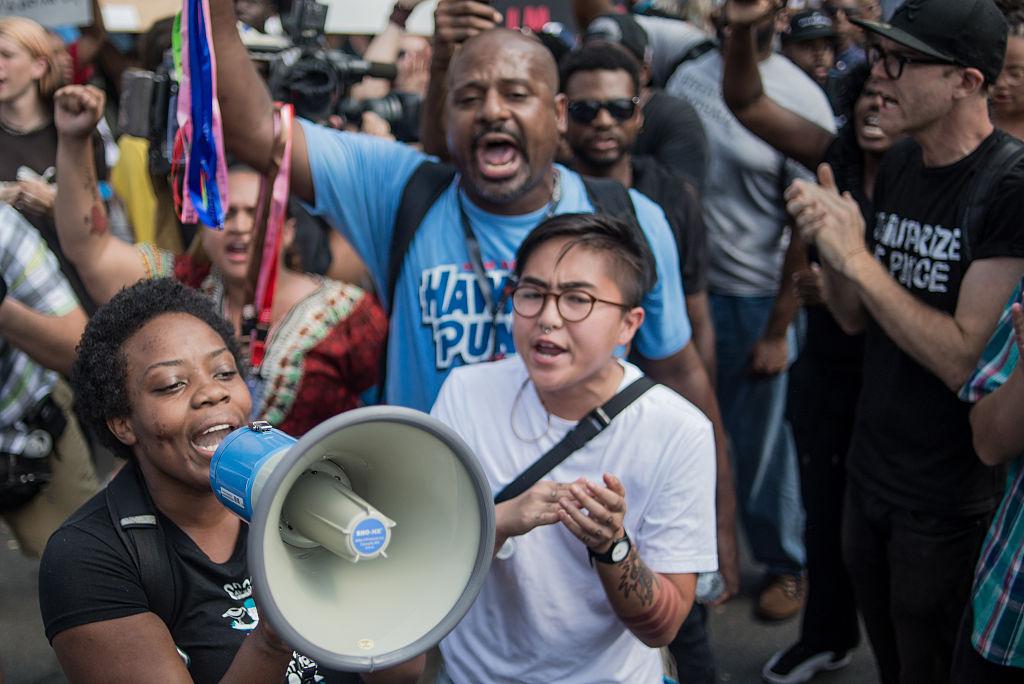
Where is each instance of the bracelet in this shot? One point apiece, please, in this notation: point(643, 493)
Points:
point(399, 16)
point(850, 255)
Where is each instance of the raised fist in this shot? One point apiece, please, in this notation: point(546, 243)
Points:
point(77, 110)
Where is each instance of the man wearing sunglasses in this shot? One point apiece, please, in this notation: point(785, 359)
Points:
point(926, 281)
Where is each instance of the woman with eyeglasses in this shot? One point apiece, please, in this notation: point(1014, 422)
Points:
point(825, 380)
point(1006, 97)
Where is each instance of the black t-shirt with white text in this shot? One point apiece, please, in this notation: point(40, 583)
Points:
point(912, 441)
point(86, 576)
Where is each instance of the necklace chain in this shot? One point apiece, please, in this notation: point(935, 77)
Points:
point(512, 417)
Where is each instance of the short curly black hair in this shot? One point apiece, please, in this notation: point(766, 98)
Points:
point(99, 374)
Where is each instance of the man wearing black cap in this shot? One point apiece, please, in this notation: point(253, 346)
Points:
point(810, 43)
point(927, 283)
point(672, 132)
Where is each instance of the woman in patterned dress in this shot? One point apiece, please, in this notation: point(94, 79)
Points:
point(326, 337)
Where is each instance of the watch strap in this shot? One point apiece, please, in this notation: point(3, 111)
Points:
point(606, 557)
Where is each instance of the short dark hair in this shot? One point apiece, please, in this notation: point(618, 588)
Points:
point(599, 56)
point(100, 372)
point(622, 241)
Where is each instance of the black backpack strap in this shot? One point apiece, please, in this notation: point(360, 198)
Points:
point(693, 53)
point(1008, 153)
point(135, 521)
point(591, 426)
point(610, 197)
point(421, 191)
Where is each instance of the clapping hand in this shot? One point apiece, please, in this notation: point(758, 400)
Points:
point(830, 220)
point(594, 513)
point(537, 506)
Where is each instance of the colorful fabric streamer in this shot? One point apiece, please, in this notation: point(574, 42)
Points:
point(200, 134)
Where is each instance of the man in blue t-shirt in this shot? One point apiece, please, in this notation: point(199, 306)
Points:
point(504, 116)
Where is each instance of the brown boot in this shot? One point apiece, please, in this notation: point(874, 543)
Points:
point(782, 598)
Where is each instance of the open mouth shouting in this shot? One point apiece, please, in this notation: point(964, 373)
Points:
point(870, 128)
point(210, 436)
point(498, 155)
point(545, 351)
point(237, 251)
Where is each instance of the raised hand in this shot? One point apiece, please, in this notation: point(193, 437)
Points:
point(593, 513)
point(77, 110)
point(747, 12)
point(455, 21)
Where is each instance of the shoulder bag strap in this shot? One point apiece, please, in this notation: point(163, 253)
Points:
point(591, 426)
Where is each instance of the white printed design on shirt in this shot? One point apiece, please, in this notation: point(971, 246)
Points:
point(452, 304)
point(917, 255)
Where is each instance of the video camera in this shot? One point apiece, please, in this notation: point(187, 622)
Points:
point(301, 70)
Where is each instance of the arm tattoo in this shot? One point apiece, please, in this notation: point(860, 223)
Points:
point(654, 623)
point(96, 220)
point(636, 578)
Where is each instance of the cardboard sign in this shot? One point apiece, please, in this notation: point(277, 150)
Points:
point(135, 16)
point(50, 13)
point(371, 16)
point(535, 14)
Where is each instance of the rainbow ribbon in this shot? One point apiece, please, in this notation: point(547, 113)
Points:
point(201, 136)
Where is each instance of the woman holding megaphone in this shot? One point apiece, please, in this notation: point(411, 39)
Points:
point(157, 379)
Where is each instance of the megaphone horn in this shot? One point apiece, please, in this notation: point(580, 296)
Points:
point(369, 538)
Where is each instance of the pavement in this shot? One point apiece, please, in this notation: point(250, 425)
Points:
point(741, 643)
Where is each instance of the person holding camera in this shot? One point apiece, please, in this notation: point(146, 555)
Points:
point(46, 469)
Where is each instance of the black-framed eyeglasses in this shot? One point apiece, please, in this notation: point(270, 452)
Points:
point(585, 111)
point(573, 305)
point(894, 63)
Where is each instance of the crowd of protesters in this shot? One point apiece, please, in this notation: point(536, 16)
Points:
point(803, 222)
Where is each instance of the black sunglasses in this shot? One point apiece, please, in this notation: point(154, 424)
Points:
point(585, 111)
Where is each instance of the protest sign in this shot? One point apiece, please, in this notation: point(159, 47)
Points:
point(371, 16)
point(135, 16)
point(50, 13)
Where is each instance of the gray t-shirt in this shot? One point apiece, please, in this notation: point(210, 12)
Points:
point(669, 40)
point(744, 211)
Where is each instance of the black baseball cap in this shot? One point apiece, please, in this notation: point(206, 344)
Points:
point(622, 29)
point(970, 33)
point(809, 25)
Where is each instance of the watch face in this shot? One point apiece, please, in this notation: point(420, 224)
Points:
point(620, 550)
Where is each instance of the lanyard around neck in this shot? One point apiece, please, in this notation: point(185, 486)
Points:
point(477, 262)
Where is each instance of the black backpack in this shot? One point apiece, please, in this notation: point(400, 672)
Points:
point(135, 520)
point(425, 186)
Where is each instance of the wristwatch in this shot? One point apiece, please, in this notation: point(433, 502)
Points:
point(615, 554)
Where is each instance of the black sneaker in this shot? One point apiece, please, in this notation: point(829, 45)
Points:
point(799, 663)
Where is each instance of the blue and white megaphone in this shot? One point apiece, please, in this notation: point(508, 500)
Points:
point(369, 538)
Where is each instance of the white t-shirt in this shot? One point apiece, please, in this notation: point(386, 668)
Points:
point(543, 615)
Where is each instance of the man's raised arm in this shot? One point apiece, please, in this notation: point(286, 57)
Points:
point(245, 104)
